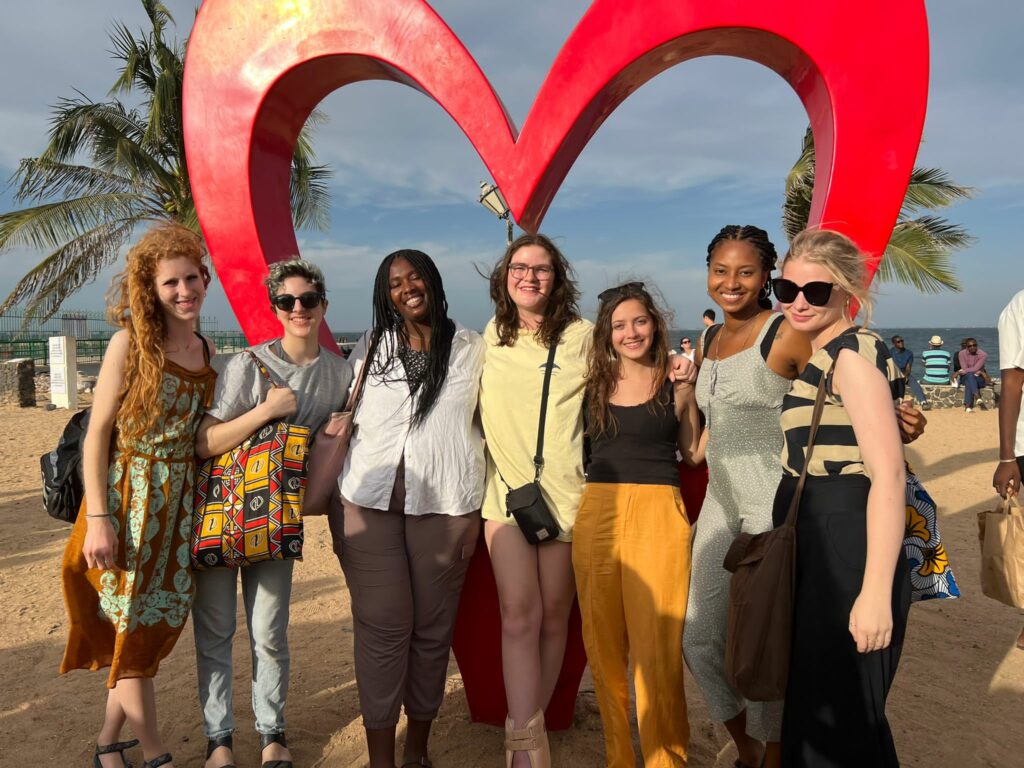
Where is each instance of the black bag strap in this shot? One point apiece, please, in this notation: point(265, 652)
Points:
point(707, 338)
point(538, 459)
point(819, 406)
point(261, 367)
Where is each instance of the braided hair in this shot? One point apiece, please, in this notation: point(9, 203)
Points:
point(757, 239)
point(389, 330)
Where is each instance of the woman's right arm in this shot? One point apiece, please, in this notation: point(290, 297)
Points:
point(100, 546)
point(692, 438)
point(215, 437)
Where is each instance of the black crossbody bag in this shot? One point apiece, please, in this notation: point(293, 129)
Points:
point(525, 503)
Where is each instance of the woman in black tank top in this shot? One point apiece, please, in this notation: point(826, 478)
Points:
point(631, 543)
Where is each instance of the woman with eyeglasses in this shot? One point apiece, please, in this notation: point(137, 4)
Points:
point(310, 383)
point(536, 306)
point(411, 488)
point(852, 584)
point(631, 546)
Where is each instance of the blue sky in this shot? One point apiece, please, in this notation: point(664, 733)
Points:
point(705, 144)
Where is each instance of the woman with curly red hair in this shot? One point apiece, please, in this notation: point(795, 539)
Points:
point(127, 584)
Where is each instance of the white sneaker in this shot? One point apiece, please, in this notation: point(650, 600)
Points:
point(968, 410)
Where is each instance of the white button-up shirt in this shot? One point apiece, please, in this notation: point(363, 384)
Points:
point(444, 455)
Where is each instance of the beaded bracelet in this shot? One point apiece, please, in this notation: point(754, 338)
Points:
point(1006, 461)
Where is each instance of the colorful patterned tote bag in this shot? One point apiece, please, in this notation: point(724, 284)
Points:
point(931, 577)
point(248, 501)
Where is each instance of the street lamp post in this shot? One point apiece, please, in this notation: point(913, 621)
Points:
point(492, 199)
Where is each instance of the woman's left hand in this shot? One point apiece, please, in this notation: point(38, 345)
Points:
point(683, 371)
point(911, 420)
point(871, 622)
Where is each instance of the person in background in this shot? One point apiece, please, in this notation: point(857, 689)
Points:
point(310, 382)
point(686, 348)
point(709, 318)
point(904, 360)
point(970, 371)
point(126, 577)
point(411, 489)
point(1007, 477)
point(937, 362)
point(852, 592)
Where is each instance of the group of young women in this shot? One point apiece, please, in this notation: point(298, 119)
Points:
point(418, 483)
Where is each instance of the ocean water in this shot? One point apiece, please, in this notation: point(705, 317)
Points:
point(916, 339)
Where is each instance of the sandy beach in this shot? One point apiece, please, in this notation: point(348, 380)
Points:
point(957, 700)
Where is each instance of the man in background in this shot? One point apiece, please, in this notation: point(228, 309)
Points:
point(904, 360)
point(936, 361)
point(1006, 479)
point(971, 371)
point(709, 318)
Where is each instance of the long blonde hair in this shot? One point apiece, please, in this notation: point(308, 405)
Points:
point(132, 304)
point(840, 257)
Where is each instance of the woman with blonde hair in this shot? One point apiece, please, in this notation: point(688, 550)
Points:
point(127, 584)
point(852, 583)
point(631, 546)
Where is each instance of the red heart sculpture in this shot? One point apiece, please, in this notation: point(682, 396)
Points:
point(255, 70)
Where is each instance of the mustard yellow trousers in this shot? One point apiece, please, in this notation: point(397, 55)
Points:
point(631, 554)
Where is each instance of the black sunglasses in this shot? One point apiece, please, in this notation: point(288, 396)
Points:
point(625, 288)
point(817, 293)
point(286, 302)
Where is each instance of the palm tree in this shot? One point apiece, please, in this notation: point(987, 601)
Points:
point(920, 250)
point(109, 166)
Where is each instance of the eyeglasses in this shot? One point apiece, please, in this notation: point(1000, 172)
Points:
point(541, 272)
point(685, 341)
point(286, 302)
point(619, 290)
point(817, 293)
point(897, 341)
point(972, 346)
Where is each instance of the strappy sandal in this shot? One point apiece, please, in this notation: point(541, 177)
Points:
point(156, 762)
point(532, 739)
point(221, 741)
point(266, 739)
point(109, 749)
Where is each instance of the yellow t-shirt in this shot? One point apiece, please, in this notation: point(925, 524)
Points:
point(510, 394)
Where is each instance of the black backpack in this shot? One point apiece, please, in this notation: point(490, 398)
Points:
point(61, 468)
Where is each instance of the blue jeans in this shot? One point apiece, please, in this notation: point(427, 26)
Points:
point(915, 387)
point(972, 385)
point(266, 592)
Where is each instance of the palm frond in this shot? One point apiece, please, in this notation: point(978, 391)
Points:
point(803, 168)
point(52, 225)
point(67, 269)
point(932, 188)
point(78, 122)
point(41, 179)
point(137, 69)
point(309, 191)
point(914, 258)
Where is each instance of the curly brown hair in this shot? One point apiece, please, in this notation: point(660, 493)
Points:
point(563, 302)
point(604, 369)
point(132, 304)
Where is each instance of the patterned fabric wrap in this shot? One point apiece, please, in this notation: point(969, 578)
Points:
point(248, 504)
point(931, 577)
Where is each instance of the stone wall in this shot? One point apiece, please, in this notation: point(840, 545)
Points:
point(948, 396)
point(17, 382)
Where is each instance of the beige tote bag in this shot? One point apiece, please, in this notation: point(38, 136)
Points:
point(1001, 533)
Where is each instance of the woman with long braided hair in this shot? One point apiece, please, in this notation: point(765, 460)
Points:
point(411, 488)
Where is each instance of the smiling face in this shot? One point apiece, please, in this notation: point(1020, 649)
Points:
point(736, 276)
point(632, 330)
point(300, 322)
point(180, 288)
point(409, 293)
point(803, 315)
point(531, 279)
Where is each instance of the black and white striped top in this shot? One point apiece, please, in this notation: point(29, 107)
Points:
point(835, 450)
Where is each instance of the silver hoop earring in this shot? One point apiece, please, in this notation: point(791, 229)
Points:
point(766, 292)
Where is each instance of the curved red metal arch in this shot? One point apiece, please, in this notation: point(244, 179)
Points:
point(254, 71)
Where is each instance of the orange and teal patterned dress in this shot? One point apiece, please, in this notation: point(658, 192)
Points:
point(129, 619)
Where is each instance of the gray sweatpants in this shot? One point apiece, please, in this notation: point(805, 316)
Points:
point(405, 575)
point(707, 618)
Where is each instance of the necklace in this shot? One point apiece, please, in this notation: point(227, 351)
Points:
point(718, 343)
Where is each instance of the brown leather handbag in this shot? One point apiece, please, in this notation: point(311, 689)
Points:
point(761, 592)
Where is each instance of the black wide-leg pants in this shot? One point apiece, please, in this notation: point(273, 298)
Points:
point(835, 699)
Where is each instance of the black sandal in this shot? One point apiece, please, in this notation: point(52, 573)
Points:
point(109, 749)
point(156, 762)
point(266, 739)
point(220, 741)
